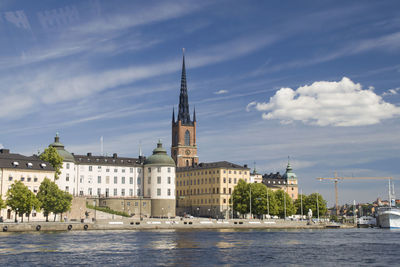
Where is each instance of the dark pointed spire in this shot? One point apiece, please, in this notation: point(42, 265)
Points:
point(194, 114)
point(173, 114)
point(183, 113)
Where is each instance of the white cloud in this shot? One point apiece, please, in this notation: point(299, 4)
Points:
point(220, 92)
point(324, 103)
point(391, 91)
point(1, 146)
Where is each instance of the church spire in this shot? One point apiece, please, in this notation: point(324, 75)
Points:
point(183, 114)
point(173, 114)
point(194, 114)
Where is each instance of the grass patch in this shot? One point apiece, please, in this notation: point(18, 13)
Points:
point(108, 210)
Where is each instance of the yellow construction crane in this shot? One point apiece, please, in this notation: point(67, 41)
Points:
point(337, 178)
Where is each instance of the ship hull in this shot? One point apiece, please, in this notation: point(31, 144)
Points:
point(389, 218)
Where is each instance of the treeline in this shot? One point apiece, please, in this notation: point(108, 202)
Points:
point(275, 203)
point(50, 199)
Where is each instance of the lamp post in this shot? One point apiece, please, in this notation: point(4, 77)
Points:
point(301, 203)
point(251, 217)
point(267, 202)
point(140, 207)
point(94, 204)
point(284, 203)
point(209, 214)
point(317, 208)
point(198, 212)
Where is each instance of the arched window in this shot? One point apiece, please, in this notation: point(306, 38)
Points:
point(176, 139)
point(187, 162)
point(187, 138)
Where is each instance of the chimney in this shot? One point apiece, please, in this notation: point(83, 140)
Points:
point(115, 155)
point(4, 151)
point(245, 165)
point(89, 154)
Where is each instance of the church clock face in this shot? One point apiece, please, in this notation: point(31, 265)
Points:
point(187, 152)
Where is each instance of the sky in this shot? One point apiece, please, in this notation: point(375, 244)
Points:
point(318, 81)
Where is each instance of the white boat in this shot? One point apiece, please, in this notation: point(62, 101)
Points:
point(389, 217)
point(366, 221)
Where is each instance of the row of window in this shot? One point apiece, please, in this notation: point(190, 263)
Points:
point(210, 181)
point(99, 169)
point(158, 180)
point(106, 192)
point(209, 172)
point(159, 192)
point(107, 180)
point(158, 169)
point(22, 179)
point(202, 191)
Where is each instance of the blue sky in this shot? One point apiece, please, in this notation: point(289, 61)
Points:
point(318, 81)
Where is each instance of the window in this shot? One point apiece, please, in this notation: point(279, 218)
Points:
point(99, 179)
point(67, 165)
point(158, 191)
point(139, 180)
point(22, 179)
point(107, 170)
point(115, 170)
point(90, 191)
point(224, 180)
point(67, 189)
point(115, 191)
point(169, 192)
point(230, 190)
point(34, 179)
point(158, 179)
point(139, 170)
point(130, 180)
point(159, 169)
point(149, 169)
point(10, 178)
point(98, 191)
point(169, 180)
point(107, 192)
point(115, 179)
point(35, 189)
point(187, 138)
point(128, 203)
point(130, 192)
point(224, 191)
point(123, 170)
point(224, 200)
point(131, 170)
point(122, 192)
point(98, 168)
point(29, 179)
point(90, 168)
point(122, 180)
point(67, 177)
point(138, 192)
point(169, 169)
point(234, 180)
point(230, 180)
point(149, 180)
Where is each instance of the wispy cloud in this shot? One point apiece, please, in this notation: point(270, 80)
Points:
point(390, 92)
point(220, 92)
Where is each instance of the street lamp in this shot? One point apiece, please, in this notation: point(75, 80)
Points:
point(94, 204)
point(251, 217)
point(209, 214)
point(198, 212)
point(162, 213)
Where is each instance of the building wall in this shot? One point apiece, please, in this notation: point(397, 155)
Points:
point(67, 179)
point(206, 192)
point(138, 207)
point(31, 178)
point(184, 155)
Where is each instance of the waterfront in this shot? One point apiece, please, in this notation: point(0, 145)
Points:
point(325, 247)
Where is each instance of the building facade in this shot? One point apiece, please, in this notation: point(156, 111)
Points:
point(184, 148)
point(29, 170)
point(205, 189)
point(159, 185)
point(287, 182)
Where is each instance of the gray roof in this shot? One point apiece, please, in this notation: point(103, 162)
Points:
point(90, 159)
point(160, 157)
point(211, 165)
point(20, 162)
point(67, 157)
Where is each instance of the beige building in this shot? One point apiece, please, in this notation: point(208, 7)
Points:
point(29, 170)
point(205, 189)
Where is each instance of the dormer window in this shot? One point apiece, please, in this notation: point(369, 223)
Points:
point(15, 163)
point(29, 164)
point(43, 165)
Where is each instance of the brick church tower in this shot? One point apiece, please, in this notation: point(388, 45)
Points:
point(184, 149)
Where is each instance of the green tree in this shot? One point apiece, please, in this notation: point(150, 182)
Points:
point(51, 155)
point(48, 196)
point(310, 202)
point(63, 204)
point(240, 197)
point(21, 200)
point(297, 204)
point(259, 202)
point(283, 200)
point(2, 204)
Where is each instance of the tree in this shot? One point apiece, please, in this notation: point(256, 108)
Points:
point(310, 202)
point(297, 204)
point(51, 155)
point(259, 202)
point(21, 200)
point(53, 199)
point(240, 197)
point(283, 200)
point(63, 203)
point(48, 196)
point(2, 204)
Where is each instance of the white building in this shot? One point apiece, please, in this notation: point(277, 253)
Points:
point(91, 175)
point(159, 173)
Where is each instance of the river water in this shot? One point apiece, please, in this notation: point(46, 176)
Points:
point(333, 247)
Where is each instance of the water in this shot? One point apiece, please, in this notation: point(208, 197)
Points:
point(334, 247)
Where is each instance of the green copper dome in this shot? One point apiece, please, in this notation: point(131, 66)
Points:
point(289, 174)
point(159, 157)
point(68, 157)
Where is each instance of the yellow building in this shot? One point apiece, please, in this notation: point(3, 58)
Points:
point(205, 189)
point(29, 170)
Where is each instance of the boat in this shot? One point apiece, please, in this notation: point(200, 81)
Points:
point(366, 222)
point(389, 217)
